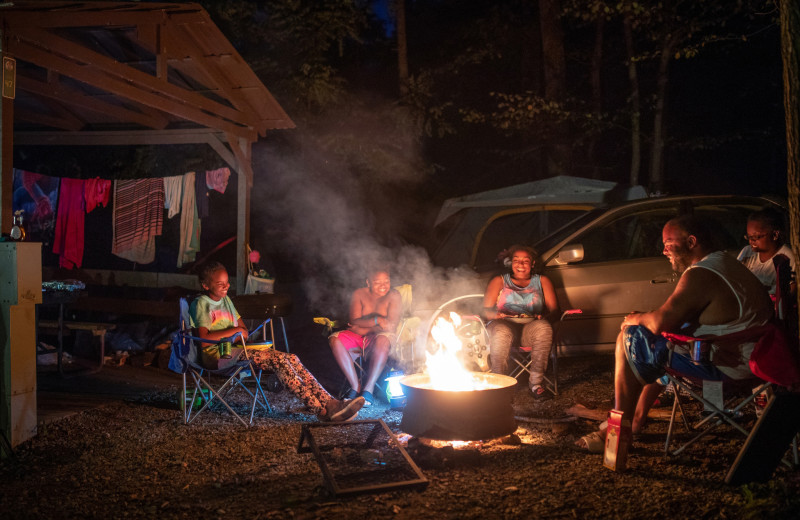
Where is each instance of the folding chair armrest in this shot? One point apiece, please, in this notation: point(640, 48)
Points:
point(192, 337)
point(255, 330)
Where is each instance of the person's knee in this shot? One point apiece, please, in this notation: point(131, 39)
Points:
point(537, 336)
point(620, 347)
point(501, 337)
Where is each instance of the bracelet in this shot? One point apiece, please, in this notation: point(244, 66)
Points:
point(376, 320)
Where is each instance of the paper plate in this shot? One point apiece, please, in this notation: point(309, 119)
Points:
point(526, 319)
point(260, 346)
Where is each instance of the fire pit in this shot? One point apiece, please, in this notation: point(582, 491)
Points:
point(483, 412)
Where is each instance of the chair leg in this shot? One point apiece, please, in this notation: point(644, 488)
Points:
point(671, 427)
point(186, 408)
point(554, 364)
point(219, 394)
point(258, 391)
point(285, 338)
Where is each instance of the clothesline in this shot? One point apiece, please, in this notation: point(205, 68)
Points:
point(138, 210)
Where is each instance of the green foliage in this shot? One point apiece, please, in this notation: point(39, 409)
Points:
point(689, 25)
point(292, 45)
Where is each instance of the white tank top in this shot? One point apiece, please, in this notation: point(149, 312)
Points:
point(755, 309)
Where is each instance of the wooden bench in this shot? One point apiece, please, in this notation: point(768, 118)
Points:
point(97, 329)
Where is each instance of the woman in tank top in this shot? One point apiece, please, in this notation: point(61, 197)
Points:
point(520, 306)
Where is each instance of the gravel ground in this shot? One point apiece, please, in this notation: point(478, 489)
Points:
point(134, 459)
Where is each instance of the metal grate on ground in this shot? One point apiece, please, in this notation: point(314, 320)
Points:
point(360, 457)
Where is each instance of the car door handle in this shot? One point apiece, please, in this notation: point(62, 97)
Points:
point(673, 277)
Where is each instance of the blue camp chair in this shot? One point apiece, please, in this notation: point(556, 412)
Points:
point(185, 360)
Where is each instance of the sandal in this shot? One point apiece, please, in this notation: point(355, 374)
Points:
point(341, 411)
point(368, 398)
point(595, 442)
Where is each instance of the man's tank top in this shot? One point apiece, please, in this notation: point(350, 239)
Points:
point(754, 310)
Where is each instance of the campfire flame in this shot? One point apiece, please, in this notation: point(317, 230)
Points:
point(444, 367)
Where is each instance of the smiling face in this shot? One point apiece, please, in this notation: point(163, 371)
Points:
point(521, 265)
point(379, 283)
point(217, 284)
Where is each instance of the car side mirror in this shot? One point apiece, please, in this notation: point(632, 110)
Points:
point(570, 254)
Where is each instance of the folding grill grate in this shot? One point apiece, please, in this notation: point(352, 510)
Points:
point(360, 457)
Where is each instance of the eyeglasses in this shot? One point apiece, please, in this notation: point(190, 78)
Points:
point(753, 238)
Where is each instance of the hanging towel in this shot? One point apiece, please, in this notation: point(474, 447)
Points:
point(68, 242)
point(201, 196)
point(97, 191)
point(218, 179)
point(190, 222)
point(138, 218)
point(172, 194)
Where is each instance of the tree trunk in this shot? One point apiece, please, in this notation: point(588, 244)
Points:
point(402, 47)
point(659, 131)
point(635, 104)
point(597, 89)
point(790, 51)
point(555, 73)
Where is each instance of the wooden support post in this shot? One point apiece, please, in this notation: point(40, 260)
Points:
point(6, 157)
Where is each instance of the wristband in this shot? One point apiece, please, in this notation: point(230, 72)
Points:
point(376, 320)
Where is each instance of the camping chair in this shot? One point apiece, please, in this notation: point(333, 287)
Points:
point(521, 357)
point(775, 363)
point(185, 360)
point(266, 308)
point(736, 396)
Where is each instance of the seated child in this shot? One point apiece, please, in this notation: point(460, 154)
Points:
point(214, 317)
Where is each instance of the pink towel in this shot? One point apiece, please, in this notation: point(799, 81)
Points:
point(218, 179)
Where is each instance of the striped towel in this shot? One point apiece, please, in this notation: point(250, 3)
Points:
point(138, 218)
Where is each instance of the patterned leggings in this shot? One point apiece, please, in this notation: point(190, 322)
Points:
point(294, 376)
point(536, 336)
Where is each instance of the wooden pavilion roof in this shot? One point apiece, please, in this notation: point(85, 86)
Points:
point(111, 70)
point(129, 73)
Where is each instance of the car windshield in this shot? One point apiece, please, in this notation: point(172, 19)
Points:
point(567, 229)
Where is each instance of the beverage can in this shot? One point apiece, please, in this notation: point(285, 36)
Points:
point(698, 351)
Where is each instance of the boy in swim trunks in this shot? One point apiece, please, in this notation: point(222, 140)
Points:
point(373, 318)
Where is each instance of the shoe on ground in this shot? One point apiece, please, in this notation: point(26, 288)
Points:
point(368, 398)
point(592, 443)
point(539, 393)
point(350, 395)
point(340, 411)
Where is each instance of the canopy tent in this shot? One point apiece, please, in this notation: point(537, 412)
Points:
point(472, 229)
point(130, 73)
